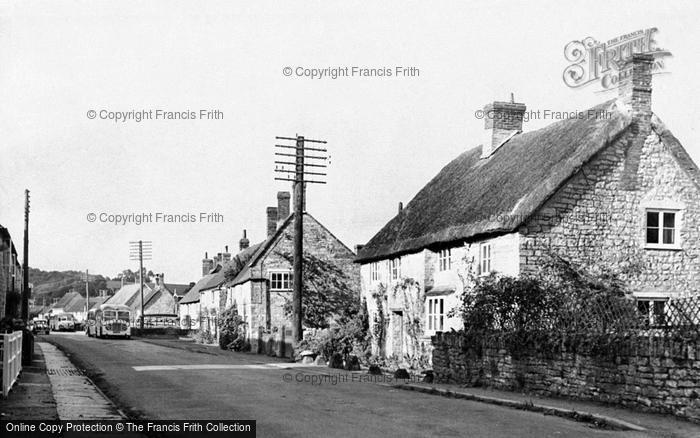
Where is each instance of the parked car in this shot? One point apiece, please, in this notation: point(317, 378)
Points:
point(40, 326)
point(63, 322)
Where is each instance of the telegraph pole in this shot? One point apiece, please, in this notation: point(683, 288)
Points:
point(87, 293)
point(25, 264)
point(141, 250)
point(297, 176)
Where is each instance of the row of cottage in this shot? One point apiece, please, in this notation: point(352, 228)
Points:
point(610, 188)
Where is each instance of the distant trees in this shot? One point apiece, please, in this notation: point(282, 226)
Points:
point(130, 276)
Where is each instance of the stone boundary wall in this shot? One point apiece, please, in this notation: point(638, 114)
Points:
point(654, 376)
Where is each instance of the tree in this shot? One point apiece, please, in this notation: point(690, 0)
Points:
point(130, 276)
point(327, 293)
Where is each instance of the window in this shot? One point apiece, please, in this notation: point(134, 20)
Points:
point(445, 260)
point(436, 314)
point(661, 228)
point(485, 258)
point(395, 268)
point(280, 281)
point(653, 310)
point(374, 271)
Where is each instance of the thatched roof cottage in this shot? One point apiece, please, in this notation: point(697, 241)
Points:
point(610, 186)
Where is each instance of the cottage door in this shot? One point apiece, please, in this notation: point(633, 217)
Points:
point(397, 334)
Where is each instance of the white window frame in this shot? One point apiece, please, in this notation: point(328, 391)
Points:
point(286, 278)
point(395, 268)
point(659, 244)
point(485, 258)
point(445, 260)
point(435, 312)
point(374, 276)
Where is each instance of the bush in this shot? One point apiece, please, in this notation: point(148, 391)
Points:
point(203, 337)
point(565, 307)
point(232, 333)
point(349, 337)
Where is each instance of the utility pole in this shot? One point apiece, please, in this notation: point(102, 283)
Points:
point(25, 264)
point(141, 250)
point(87, 293)
point(297, 176)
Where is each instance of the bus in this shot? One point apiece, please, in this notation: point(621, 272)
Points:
point(110, 320)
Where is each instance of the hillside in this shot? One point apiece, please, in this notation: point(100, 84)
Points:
point(55, 284)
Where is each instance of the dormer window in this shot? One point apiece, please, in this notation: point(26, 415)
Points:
point(661, 229)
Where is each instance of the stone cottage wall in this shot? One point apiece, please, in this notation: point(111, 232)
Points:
point(317, 241)
point(598, 218)
point(658, 377)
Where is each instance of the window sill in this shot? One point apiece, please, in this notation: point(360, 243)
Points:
point(653, 246)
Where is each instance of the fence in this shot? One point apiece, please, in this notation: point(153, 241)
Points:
point(160, 320)
point(11, 360)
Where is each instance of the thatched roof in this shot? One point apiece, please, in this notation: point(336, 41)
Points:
point(473, 196)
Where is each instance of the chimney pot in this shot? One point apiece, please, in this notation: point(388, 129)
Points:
point(400, 206)
point(271, 221)
point(207, 264)
point(502, 120)
point(244, 242)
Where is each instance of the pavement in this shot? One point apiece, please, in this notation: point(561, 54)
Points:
point(52, 388)
point(174, 379)
point(77, 398)
point(31, 397)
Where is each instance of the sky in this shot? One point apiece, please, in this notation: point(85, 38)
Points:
point(387, 135)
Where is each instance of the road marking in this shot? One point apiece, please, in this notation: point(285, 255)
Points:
point(262, 366)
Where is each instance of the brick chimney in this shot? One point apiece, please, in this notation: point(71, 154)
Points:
point(244, 242)
point(634, 90)
point(271, 221)
point(502, 120)
point(226, 255)
point(207, 264)
point(282, 207)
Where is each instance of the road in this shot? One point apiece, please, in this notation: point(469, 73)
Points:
point(144, 380)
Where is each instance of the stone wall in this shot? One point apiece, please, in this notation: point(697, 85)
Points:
point(598, 218)
point(655, 376)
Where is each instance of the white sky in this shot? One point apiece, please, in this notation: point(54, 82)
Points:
point(387, 136)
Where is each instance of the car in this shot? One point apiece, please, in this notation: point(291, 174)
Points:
point(63, 322)
point(40, 326)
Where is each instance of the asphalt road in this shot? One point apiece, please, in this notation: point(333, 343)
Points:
point(284, 401)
